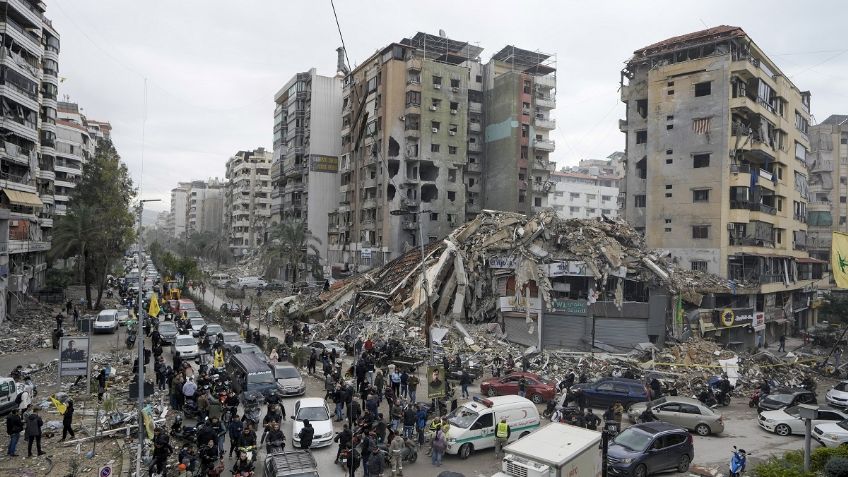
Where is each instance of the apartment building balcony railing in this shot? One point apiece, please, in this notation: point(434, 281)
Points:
point(370, 203)
point(475, 107)
point(822, 165)
point(21, 127)
point(475, 127)
point(27, 11)
point(28, 40)
point(547, 81)
point(547, 102)
point(759, 207)
point(474, 147)
point(545, 123)
point(544, 145)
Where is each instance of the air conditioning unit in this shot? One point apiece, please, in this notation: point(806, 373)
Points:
point(13, 223)
point(452, 133)
point(435, 130)
point(433, 108)
point(402, 118)
point(453, 111)
point(437, 86)
point(455, 89)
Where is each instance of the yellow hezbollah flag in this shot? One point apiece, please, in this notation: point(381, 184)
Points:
point(839, 259)
point(218, 361)
point(59, 405)
point(153, 310)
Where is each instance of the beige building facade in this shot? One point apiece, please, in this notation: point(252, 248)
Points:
point(827, 211)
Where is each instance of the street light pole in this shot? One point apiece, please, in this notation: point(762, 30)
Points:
point(139, 332)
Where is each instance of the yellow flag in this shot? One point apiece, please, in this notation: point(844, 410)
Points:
point(218, 361)
point(839, 259)
point(59, 405)
point(153, 310)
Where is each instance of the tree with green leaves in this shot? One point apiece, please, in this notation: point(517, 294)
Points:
point(99, 222)
point(209, 244)
point(290, 244)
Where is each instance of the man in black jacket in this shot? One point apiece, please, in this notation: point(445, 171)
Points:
point(344, 439)
point(306, 434)
point(14, 426)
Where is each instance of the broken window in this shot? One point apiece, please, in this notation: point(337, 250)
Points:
point(429, 193)
point(437, 81)
point(639, 200)
point(699, 265)
point(470, 182)
point(521, 196)
point(701, 160)
point(523, 152)
point(472, 159)
point(390, 192)
point(451, 195)
point(451, 175)
point(701, 195)
point(429, 172)
point(527, 87)
point(479, 79)
point(642, 168)
point(453, 129)
point(525, 130)
point(641, 137)
point(537, 201)
point(435, 103)
point(451, 149)
point(642, 107)
point(700, 231)
point(454, 107)
point(703, 89)
point(434, 216)
point(454, 83)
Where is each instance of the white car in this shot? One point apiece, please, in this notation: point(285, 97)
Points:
point(318, 414)
point(784, 422)
point(838, 395)
point(196, 325)
point(288, 379)
point(831, 434)
point(186, 345)
point(106, 322)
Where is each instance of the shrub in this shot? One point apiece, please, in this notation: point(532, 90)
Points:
point(790, 464)
point(836, 467)
point(820, 457)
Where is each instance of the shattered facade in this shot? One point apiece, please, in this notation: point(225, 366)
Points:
point(247, 200)
point(827, 210)
point(307, 143)
point(716, 139)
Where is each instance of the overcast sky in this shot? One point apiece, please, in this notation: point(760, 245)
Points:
point(213, 67)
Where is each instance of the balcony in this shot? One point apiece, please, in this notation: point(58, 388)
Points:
point(46, 175)
point(44, 222)
point(25, 99)
point(474, 127)
point(46, 197)
point(822, 165)
point(16, 182)
point(24, 129)
point(24, 246)
point(24, 38)
point(475, 107)
point(369, 203)
point(545, 123)
point(60, 198)
point(544, 145)
point(474, 147)
point(819, 206)
point(622, 125)
point(27, 11)
point(547, 81)
point(546, 102)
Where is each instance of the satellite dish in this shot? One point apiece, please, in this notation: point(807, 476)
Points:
point(442, 33)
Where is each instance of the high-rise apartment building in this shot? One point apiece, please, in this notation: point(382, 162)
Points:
point(205, 206)
point(716, 142)
point(247, 200)
point(74, 147)
point(307, 144)
point(827, 210)
point(520, 93)
point(179, 208)
point(420, 120)
point(581, 195)
point(29, 60)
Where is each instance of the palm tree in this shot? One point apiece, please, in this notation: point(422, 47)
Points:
point(291, 243)
point(73, 235)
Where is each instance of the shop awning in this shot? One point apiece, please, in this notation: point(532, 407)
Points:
point(26, 199)
point(809, 260)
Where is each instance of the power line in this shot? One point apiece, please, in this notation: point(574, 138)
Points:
point(339, 28)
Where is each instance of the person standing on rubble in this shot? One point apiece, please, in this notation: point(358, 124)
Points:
point(33, 432)
point(497, 365)
point(312, 362)
point(525, 363)
point(782, 342)
point(67, 421)
point(412, 387)
point(510, 363)
point(379, 384)
point(522, 387)
point(395, 379)
point(101, 385)
point(464, 381)
point(14, 426)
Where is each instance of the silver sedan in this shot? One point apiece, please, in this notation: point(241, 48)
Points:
point(682, 411)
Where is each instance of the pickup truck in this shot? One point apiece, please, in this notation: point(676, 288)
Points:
point(291, 463)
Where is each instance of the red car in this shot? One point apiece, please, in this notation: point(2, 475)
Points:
point(538, 389)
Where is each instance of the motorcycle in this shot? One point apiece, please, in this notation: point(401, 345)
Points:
point(409, 455)
point(274, 447)
point(737, 462)
point(250, 451)
point(130, 341)
point(188, 433)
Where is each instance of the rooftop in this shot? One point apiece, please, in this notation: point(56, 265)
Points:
point(525, 60)
point(443, 49)
point(676, 42)
point(836, 119)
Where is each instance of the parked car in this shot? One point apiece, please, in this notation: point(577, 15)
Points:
point(786, 398)
point(106, 322)
point(288, 379)
point(538, 389)
point(186, 305)
point(831, 434)
point(186, 345)
point(682, 411)
point(838, 395)
point(787, 421)
point(316, 410)
point(327, 345)
point(168, 331)
point(196, 325)
point(123, 316)
point(239, 348)
point(606, 391)
point(231, 338)
point(645, 449)
point(212, 330)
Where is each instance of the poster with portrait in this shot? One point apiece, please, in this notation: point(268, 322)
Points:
point(435, 382)
point(73, 355)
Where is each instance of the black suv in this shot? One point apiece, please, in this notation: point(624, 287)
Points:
point(645, 449)
point(606, 391)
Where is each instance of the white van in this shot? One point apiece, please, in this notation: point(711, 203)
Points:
point(472, 425)
point(220, 279)
point(251, 282)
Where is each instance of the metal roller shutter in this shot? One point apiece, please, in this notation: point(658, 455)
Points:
point(621, 332)
point(516, 331)
point(566, 332)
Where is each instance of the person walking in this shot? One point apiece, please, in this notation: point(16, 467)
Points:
point(438, 447)
point(502, 432)
point(67, 420)
point(395, 379)
point(101, 385)
point(782, 341)
point(396, 450)
point(33, 432)
point(306, 434)
point(464, 381)
point(14, 426)
point(522, 387)
point(412, 387)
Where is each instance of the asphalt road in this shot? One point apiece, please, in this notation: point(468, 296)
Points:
point(741, 428)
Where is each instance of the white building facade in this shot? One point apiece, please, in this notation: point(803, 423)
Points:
point(576, 195)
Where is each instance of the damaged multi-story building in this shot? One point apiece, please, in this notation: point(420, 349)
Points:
point(307, 144)
point(716, 143)
point(827, 211)
point(423, 123)
point(247, 200)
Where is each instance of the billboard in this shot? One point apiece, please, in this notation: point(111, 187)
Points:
point(73, 355)
point(436, 380)
point(323, 163)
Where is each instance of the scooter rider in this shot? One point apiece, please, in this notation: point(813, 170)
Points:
point(276, 438)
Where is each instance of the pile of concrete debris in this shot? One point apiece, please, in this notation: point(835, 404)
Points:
point(28, 328)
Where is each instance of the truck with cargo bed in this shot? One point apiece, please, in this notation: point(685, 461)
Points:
point(556, 450)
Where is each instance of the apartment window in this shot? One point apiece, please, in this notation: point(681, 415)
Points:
point(525, 130)
point(668, 221)
point(454, 83)
point(575, 195)
point(526, 87)
point(559, 194)
point(590, 210)
point(669, 186)
point(588, 196)
point(454, 106)
point(641, 137)
point(642, 108)
point(669, 126)
point(479, 79)
point(842, 220)
point(669, 118)
point(472, 159)
point(523, 152)
point(451, 175)
point(525, 108)
point(669, 152)
point(700, 231)
point(668, 229)
point(699, 265)
point(574, 210)
point(606, 197)
point(701, 160)
point(537, 201)
point(451, 149)
point(434, 216)
point(434, 147)
point(671, 92)
point(843, 199)
point(800, 152)
point(521, 196)
point(605, 211)
point(437, 80)
point(702, 195)
point(703, 89)
point(413, 98)
point(640, 200)
point(801, 123)
point(471, 182)
point(669, 161)
point(451, 195)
